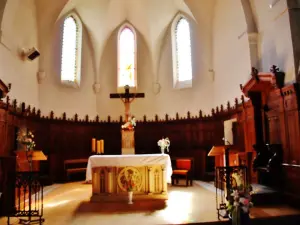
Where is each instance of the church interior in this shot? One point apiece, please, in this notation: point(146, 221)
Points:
point(149, 112)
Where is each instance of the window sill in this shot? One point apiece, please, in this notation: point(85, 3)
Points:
point(183, 84)
point(68, 83)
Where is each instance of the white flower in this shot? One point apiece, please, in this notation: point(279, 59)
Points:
point(133, 122)
point(164, 143)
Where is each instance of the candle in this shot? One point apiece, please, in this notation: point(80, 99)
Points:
point(102, 146)
point(93, 144)
point(98, 147)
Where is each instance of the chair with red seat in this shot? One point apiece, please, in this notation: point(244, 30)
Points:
point(183, 169)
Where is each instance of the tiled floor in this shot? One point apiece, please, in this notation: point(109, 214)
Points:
point(69, 204)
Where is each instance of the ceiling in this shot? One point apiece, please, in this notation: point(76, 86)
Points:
point(151, 18)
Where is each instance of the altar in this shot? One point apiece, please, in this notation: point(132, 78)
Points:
point(109, 174)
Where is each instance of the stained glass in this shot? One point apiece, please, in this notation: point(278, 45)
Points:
point(126, 58)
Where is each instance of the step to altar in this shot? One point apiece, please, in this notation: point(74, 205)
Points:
point(264, 195)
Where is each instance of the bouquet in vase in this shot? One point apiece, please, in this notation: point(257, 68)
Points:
point(130, 185)
point(240, 203)
point(26, 138)
point(130, 124)
point(164, 143)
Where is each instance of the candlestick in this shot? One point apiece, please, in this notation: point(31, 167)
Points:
point(93, 144)
point(102, 146)
point(98, 147)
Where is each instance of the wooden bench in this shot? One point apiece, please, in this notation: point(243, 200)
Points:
point(72, 166)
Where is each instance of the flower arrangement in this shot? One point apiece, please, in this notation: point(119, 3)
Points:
point(130, 124)
point(130, 185)
point(164, 143)
point(239, 203)
point(26, 138)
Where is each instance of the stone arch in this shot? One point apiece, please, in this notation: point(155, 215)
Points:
point(167, 32)
point(2, 8)
point(252, 33)
point(7, 14)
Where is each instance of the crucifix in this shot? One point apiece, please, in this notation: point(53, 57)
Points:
point(127, 98)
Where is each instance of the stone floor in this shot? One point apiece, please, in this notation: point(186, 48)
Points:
point(69, 204)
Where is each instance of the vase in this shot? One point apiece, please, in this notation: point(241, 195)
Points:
point(162, 150)
point(130, 194)
point(238, 217)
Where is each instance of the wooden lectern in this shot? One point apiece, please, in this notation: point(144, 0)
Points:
point(23, 158)
point(219, 153)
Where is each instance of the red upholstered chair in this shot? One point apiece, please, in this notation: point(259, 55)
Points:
point(183, 169)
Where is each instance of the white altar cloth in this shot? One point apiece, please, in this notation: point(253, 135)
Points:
point(129, 160)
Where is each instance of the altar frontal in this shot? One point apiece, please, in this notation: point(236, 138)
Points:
point(147, 175)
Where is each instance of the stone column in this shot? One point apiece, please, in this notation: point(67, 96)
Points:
point(164, 183)
point(253, 45)
point(110, 180)
point(294, 15)
point(2, 8)
point(96, 181)
point(252, 33)
point(150, 180)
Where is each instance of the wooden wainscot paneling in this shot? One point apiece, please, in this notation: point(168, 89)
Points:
point(247, 120)
point(3, 129)
point(61, 138)
point(292, 183)
point(274, 112)
point(256, 125)
point(291, 118)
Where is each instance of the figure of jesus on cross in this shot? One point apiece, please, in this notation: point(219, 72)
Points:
point(127, 98)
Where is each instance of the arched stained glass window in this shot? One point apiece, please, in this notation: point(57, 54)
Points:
point(71, 51)
point(126, 57)
point(182, 53)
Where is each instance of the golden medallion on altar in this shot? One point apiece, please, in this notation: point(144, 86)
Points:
point(130, 175)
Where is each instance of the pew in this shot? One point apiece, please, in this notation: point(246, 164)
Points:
point(72, 166)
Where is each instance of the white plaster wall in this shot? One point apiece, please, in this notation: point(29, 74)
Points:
point(54, 96)
point(19, 30)
point(231, 55)
point(60, 98)
point(220, 43)
point(275, 37)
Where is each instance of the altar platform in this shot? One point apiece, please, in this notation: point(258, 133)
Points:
point(110, 175)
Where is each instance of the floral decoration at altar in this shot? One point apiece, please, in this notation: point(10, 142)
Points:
point(129, 184)
point(239, 203)
point(26, 138)
point(130, 124)
point(164, 143)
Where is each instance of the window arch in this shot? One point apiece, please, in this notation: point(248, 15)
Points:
point(71, 51)
point(127, 57)
point(181, 53)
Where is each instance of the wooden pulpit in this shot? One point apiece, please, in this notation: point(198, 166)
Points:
point(23, 163)
point(219, 153)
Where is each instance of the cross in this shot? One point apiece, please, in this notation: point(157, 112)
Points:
point(127, 98)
